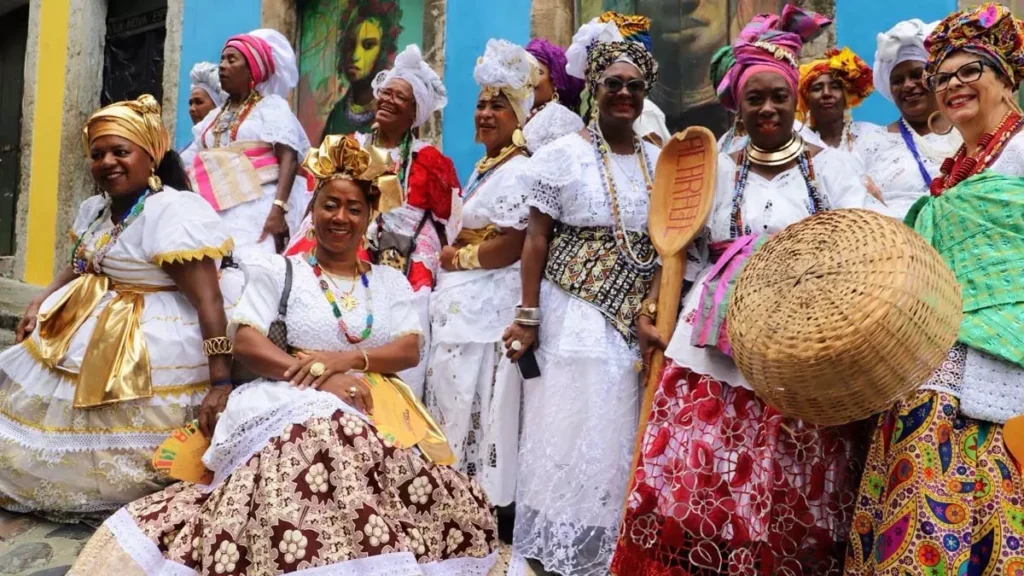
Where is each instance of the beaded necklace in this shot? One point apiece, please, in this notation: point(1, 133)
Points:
point(318, 271)
point(803, 161)
point(622, 242)
point(80, 261)
point(230, 118)
point(961, 166)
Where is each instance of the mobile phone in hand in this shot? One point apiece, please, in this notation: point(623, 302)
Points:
point(527, 365)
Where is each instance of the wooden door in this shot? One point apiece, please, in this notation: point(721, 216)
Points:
point(12, 83)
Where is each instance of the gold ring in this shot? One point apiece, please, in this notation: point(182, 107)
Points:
point(317, 369)
point(352, 391)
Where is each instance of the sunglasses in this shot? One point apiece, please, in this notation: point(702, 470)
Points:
point(966, 74)
point(614, 85)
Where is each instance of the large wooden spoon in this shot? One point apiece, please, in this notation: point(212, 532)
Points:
point(684, 191)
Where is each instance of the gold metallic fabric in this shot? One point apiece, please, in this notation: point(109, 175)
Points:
point(138, 121)
point(116, 363)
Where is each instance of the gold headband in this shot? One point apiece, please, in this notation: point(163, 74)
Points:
point(342, 157)
point(137, 121)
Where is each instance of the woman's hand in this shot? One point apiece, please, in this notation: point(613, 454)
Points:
point(214, 403)
point(447, 258)
point(352, 391)
point(275, 226)
point(650, 340)
point(28, 321)
point(525, 335)
point(334, 363)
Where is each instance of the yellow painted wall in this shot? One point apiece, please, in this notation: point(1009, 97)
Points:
point(46, 137)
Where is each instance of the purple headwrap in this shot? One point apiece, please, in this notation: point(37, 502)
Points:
point(770, 43)
point(553, 56)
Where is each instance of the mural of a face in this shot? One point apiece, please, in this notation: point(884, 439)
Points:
point(364, 50)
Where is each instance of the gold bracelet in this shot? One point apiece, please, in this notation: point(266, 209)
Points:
point(469, 258)
point(455, 259)
point(366, 361)
point(219, 346)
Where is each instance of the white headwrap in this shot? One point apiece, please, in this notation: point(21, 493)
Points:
point(286, 71)
point(652, 121)
point(511, 69)
point(206, 77)
point(591, 33)
point(427, 87)
point(903, 42)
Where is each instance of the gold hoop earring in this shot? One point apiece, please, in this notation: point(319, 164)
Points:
point(931, 120)
point(738, 128)
point(554, 97)
point(311, 235)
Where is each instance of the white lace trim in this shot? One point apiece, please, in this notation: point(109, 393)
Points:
point(232, 449)
point(550, 124)
point(57, 443)
point(143, 551)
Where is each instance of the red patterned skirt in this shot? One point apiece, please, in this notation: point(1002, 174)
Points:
point(328, 494)
point(726, 485)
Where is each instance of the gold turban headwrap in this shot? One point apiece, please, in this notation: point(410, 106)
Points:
point(343, 157)
point(138, 121)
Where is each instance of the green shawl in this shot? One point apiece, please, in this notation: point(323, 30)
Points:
point(978, 228)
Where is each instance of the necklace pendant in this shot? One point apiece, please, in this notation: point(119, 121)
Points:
point(348, 302)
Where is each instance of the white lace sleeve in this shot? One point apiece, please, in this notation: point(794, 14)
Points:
point(181, 226)
point(1011, 161)
point(262, 294)
point(87, 214)
point(550, 124)
point(278, 125)
point(549, 174)
point(508, 204)
point(403, 317)
point(840, 184)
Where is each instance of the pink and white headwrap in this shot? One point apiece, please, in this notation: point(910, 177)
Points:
point(271, 60)
point(770, 43)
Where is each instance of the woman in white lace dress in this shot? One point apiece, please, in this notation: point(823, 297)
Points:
point(246, 153)
point(472, 390)
point(942, 490)
point(556, 100)
point(830, 88)
point(111, 354)
point(322, 466)
point(580, 311)
point(902, 159)
point(725, 484)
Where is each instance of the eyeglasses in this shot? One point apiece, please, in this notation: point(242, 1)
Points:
point(614, 85)
point(966, 74)
point(393, 95)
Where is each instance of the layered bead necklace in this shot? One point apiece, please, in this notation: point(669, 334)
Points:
point(603, 154)
point(960, 167)
point(754, 155)
point(80, 261)
point(230, 118)
point(347, 300)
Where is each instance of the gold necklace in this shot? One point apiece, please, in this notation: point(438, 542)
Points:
point(487, 163)
point(783, 155)
point(346, 300)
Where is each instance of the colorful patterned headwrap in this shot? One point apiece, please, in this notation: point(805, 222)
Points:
point(137, 121)
point(770, 42)
point(608, 39)
point(721, 63)
point(553, 56)
point(341, 157)
point(257, 53)
point(844, 65)
point(989, 30)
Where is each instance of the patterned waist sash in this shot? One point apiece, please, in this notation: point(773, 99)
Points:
point(586, 263)
point(116, 363)
point(729, 257)
point(234, 174)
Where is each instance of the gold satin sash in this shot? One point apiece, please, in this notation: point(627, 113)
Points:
point(476, 236)
point(403, 415)
point(116, 363)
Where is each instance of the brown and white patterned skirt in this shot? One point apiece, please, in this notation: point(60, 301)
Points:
point(328, 496)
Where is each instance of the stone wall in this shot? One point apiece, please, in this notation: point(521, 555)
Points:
point(172, 63)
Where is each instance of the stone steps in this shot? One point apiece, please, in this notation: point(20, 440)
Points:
point(14, 298)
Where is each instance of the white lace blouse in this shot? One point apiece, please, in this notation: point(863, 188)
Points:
point(891, 165)
point(549, 124)
point(310, 318)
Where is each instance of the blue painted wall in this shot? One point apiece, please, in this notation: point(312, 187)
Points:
point(858, 22)
point(206, 25)
point(471, 23)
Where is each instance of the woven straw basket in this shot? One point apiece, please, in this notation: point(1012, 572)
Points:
point(841, 315)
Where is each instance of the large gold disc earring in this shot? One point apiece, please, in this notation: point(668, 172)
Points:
point(518, 139)
point(155, 184)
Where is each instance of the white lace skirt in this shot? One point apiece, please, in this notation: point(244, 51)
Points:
point(473, 392)
point(578, 429)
